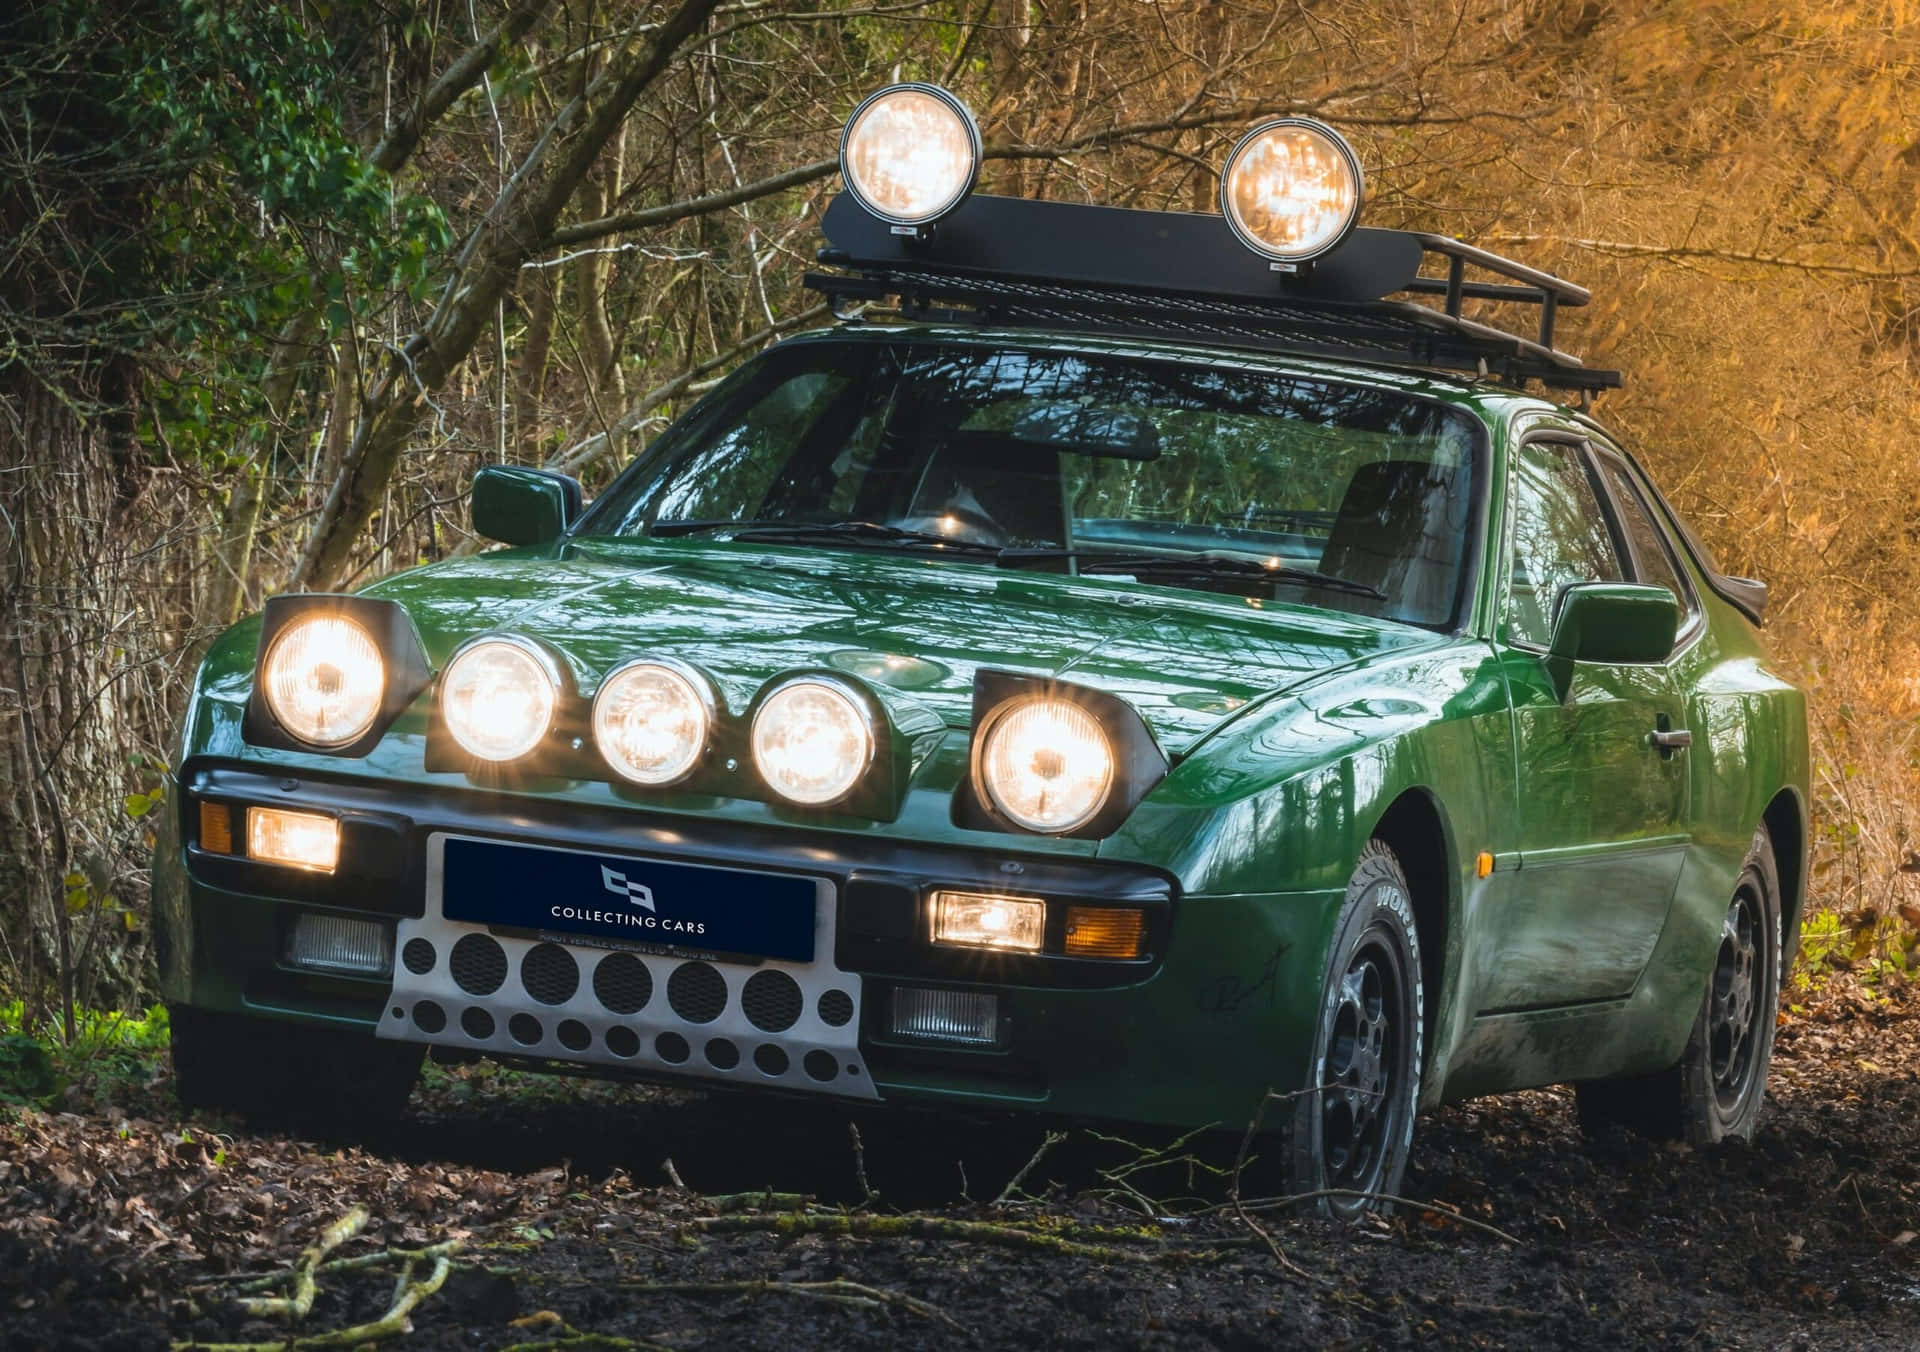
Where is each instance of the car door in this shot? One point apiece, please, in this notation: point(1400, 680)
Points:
point(1601, 807)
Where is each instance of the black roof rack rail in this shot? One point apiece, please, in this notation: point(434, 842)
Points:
point(1012, 262)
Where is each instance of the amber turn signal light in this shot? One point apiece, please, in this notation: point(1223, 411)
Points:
point(1105, 932)
point(216, 828)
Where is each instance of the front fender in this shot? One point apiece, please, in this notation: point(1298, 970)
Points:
point(1284, 798)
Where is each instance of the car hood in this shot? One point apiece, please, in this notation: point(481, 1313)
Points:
point(921, 627)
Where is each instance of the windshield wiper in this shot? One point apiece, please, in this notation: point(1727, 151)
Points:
point(1205, 563)
point(839, 532)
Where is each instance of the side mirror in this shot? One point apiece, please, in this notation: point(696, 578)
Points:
point(1611, 622)
point(524, 506)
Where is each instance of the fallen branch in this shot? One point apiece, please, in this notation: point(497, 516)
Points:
point(408, 1292)
point(567, 1336)
point(296, 1306)
point(1053, 1138)
point(1436, 1208)
point(841, 1292)
point(767, 1200)
point(354, 1264)
point(794, 1225)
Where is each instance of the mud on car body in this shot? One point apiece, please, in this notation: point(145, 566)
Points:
point(1134, 666)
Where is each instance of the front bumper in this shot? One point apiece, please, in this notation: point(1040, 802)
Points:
point(1192, 1032)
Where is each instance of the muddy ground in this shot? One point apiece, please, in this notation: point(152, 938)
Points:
point(130, 1227)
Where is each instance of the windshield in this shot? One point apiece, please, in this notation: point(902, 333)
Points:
point(1184, 474)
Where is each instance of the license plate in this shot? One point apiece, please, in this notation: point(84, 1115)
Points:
point(623, 898)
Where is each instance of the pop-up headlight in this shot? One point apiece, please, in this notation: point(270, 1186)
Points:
point(1054, 758)
point(1292, 189)
point(910, 153)
point(333, 673)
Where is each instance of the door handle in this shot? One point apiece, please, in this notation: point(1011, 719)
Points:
point(1670, 740)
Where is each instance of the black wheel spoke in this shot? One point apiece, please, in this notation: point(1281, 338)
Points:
point(1734, 1000)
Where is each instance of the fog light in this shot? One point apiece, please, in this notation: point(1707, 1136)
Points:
point(982, 920)
point(971, 1018)
point(297, 839)
point(1105, 931)
point(332, 943)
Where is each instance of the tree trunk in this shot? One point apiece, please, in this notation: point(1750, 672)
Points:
point(76, 639)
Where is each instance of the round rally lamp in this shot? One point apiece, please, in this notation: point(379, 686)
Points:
point(652, 720)
point(1292, 189)
point(498, 698)
point(812, 741)
point(910, 153)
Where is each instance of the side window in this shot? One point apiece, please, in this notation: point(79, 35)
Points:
point(1560, 537)
point(1652, 555)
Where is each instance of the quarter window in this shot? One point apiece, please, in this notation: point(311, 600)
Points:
point(1560, 537)
point(1652, 555)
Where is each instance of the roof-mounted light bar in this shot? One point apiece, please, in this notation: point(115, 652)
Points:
point(1292, 190)
point(910, 154)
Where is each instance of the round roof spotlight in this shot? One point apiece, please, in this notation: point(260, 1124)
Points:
point(910, 153)
point(1292, 189)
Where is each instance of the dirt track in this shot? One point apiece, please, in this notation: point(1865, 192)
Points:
point(112, 1228)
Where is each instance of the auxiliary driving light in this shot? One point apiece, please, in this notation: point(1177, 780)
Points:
point(303, 840)
point(334, 943)
point(651, 721)
point(910, 153)
point(922, 1014)
point(498, 698)
point(812, 741)
point(983, 920)
point(1291, 189)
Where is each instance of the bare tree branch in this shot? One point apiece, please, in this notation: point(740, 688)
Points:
point(401, 139)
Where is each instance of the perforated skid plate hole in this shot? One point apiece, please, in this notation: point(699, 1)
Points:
point(419, 956)
point(771, 1059)
point(574, 1036)
point(722, 1054)
point(772, 1001)
point(477, 1024)
point(822, 1066)
point(478, 964)
point(697, 992)
point(836, 1007)
point(429, 1017)
point(623, 1042)
point(672, 1047)
point(622, 983)
point(525, 1029)
point(550, 974)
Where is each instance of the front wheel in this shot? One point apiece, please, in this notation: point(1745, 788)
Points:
point(1352, 1125)
point(1715, 1090)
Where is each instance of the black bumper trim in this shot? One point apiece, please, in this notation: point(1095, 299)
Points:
point(881, 883)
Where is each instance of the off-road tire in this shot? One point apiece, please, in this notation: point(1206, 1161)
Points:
point(274, 1069)
point(1714, 1091)
point(1352, 1126)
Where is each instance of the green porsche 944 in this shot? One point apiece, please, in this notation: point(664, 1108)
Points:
point(1141, 666)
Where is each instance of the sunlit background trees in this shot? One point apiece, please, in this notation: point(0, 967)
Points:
point(274, 280)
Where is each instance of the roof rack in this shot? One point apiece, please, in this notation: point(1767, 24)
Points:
point(1013, 262)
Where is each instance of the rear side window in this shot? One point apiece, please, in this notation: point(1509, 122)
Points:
point(1560, 537)
point(1652, 555)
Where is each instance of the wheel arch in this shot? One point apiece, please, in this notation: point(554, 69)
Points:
point(1415, 827)
point(1785, 818)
